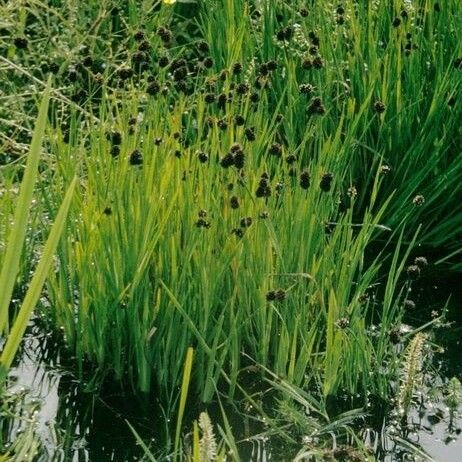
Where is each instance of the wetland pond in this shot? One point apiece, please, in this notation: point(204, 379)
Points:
point(74, 425)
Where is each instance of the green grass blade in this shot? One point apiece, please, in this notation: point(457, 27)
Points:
point(146, 450)
point(36, 285)
point(18, 231)
point(184, 394)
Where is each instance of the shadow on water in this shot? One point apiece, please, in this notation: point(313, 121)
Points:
point(74, 425)
point(78, 426)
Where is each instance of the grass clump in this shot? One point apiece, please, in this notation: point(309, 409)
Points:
point(252, 179)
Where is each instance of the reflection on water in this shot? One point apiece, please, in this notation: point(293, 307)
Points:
point(74, 425)
point(78, 426)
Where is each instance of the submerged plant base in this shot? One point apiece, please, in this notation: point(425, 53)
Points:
point(78, 419)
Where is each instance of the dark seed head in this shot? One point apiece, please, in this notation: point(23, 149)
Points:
point(223, 75)
point(458, 63)
point(303, 12)
point(246, 222)
point(342, 323)
point(275, 149)
point(326, 181)
point(107, 211)
point(395, 336)
point(413, 272)
point(421, 262)
point(288, 33)
point(202, 223)
point(242, 89)
point(263, 69)
point(227, 161)
point(203, 46)
point(418, 200)
point(238, 232)
point(207, 62)
point(153, 88)
point(115, 151)
point(250, 133)
point(255, 97)
point(291, 158)
point(164, 34)
point(87, 61)
point(396, 22)
point(144, 46)
point(222, 124)
point(72, 74)
point(239, 159)
point(236, 147)
point(305, 180)
point(203, 157)
point(329, 228)
point(239, 120)
point(209, 98)
point(281, 295)
point(318, 63)
point(263, 189)
point(385, 169)
point(316, 107)
point(236, 68)
point(179, 74)
point(139, 36)
point(306, 88)
point(234, 202)
point(271, 295)
point(271, 65)
point(281, 35)
point(379, 107)
point(20, 42)
point(163, 61)
point(177, 63)
point(125, 73)
point(114, 137)
point(136, 158)
point(314, 38)
point(45, 68)
point(313, 50)
point(222, 100)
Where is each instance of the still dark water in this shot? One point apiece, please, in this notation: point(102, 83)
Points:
point(78, 426)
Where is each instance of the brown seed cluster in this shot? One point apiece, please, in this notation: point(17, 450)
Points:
point(277, 295)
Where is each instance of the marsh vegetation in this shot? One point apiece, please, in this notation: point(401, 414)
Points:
point(242, 215)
